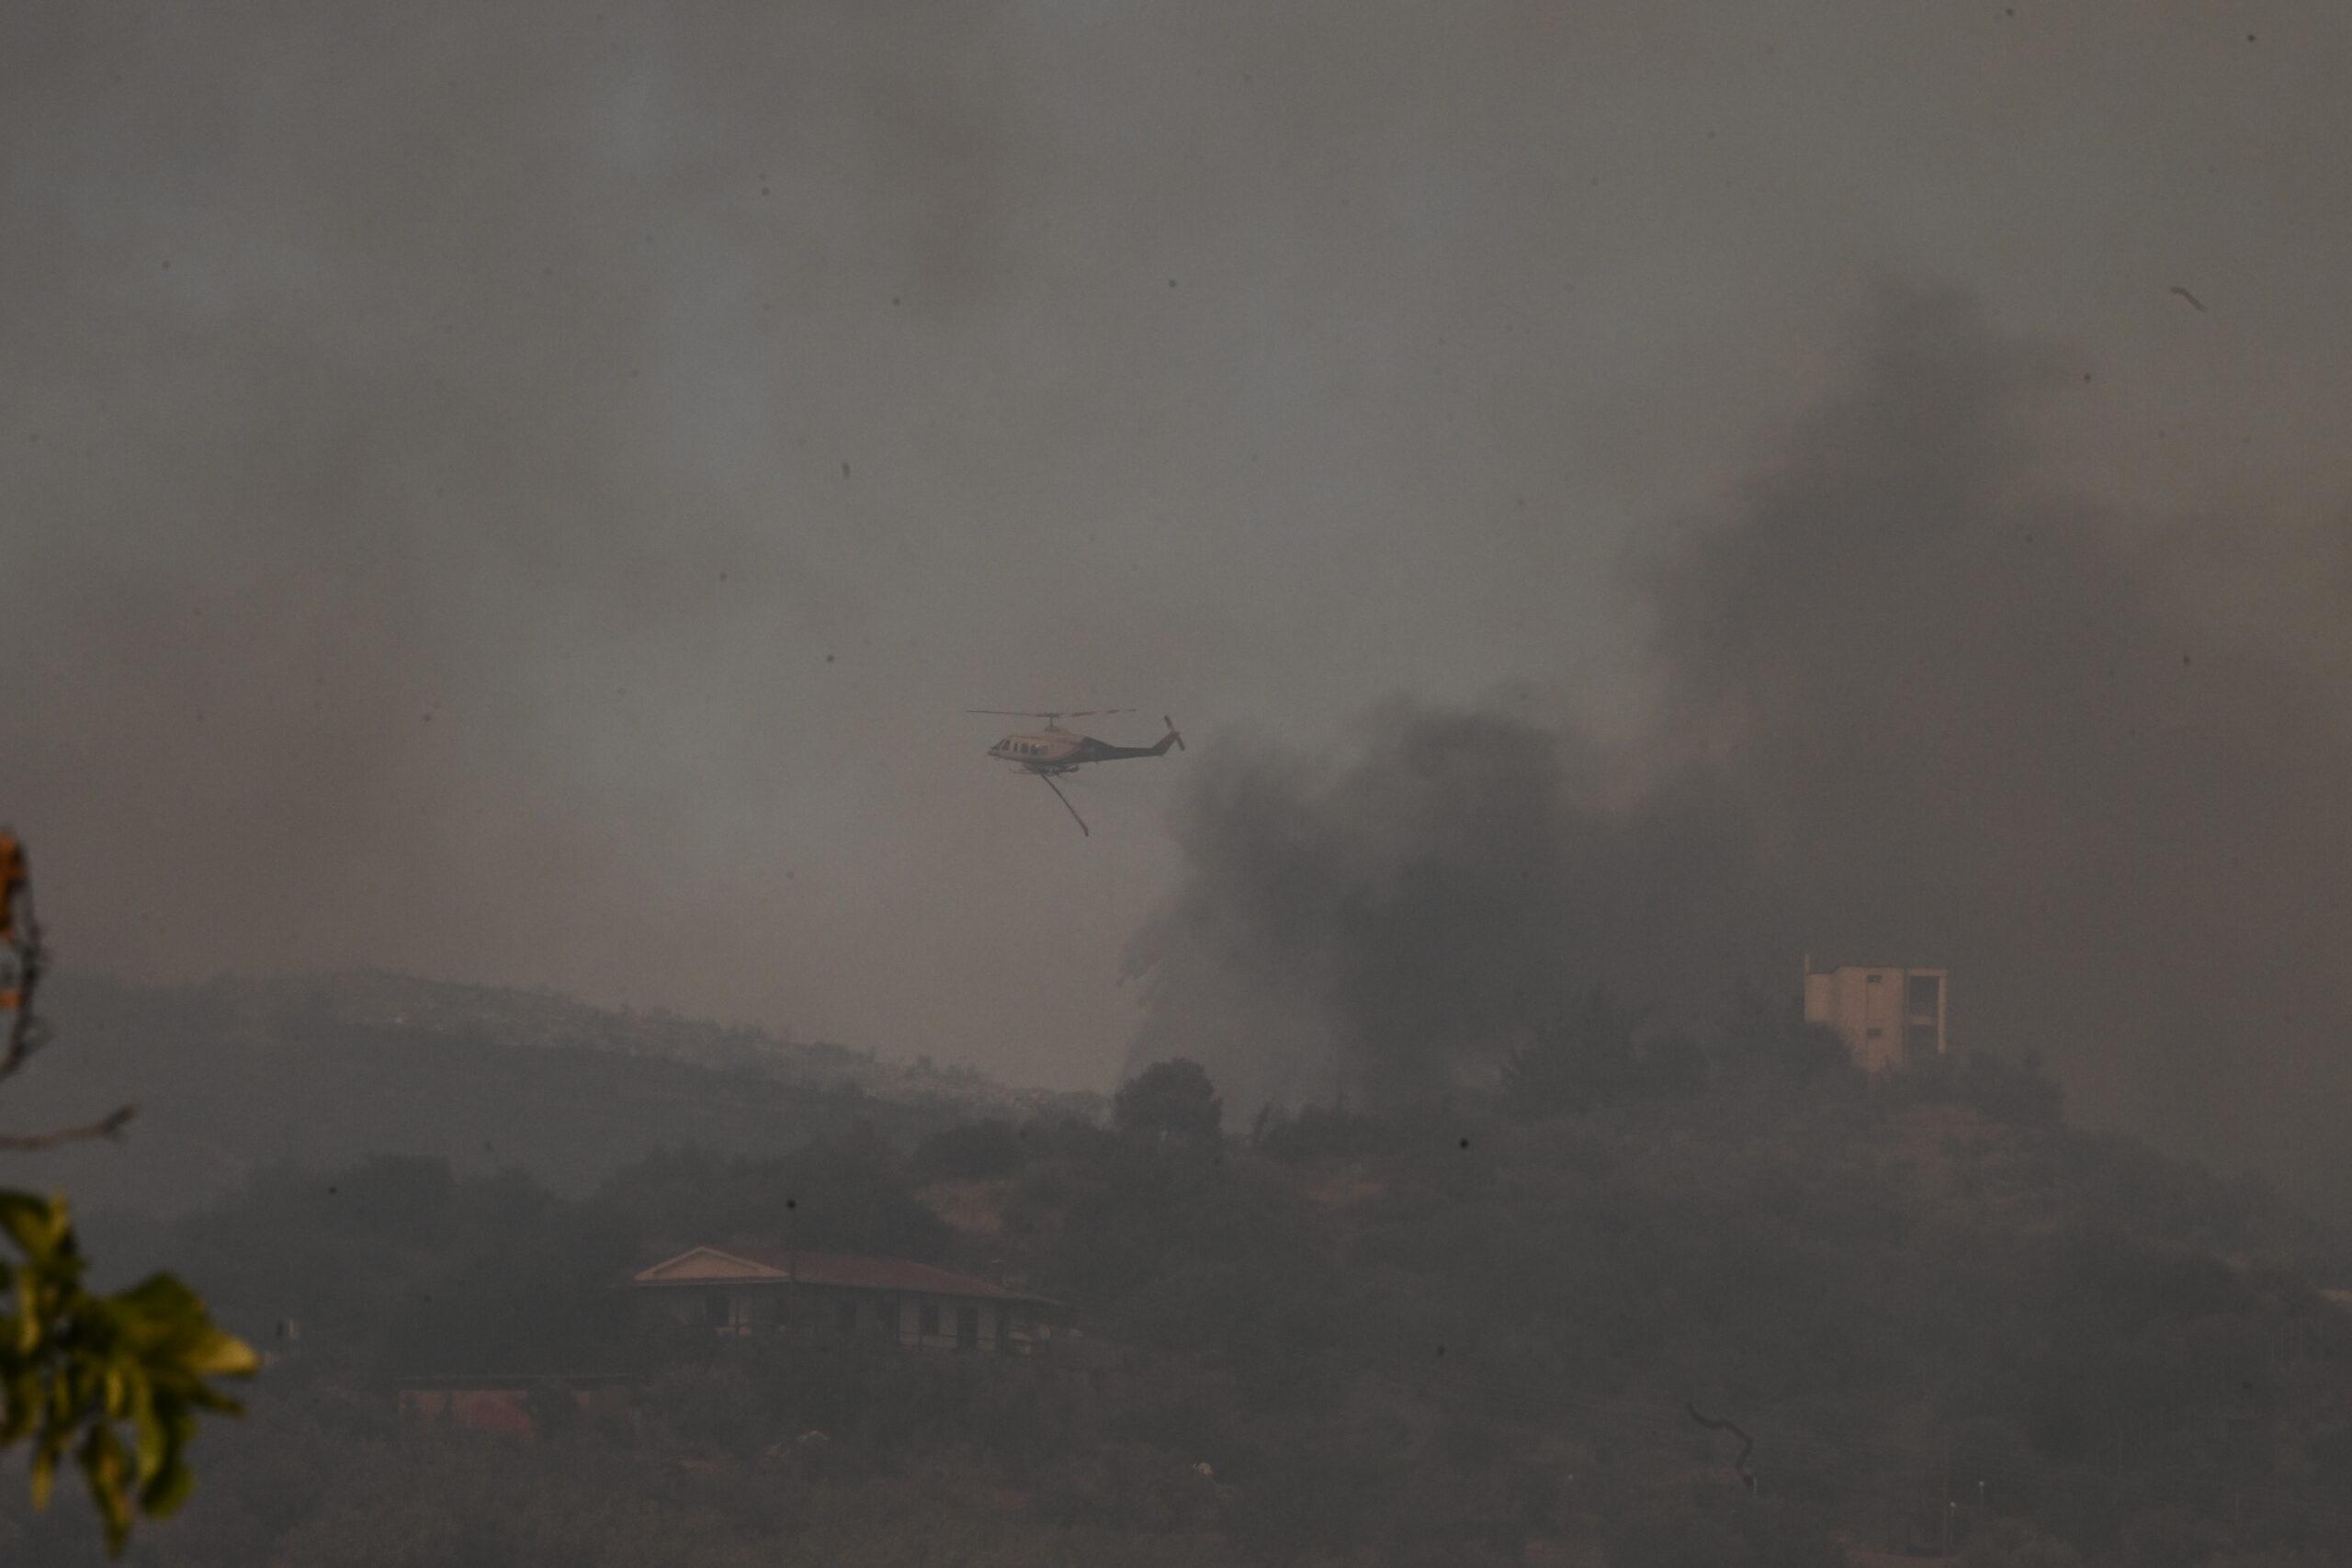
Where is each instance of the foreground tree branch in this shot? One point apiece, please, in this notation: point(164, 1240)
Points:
point(20, 934)
point(110, 1125)
point(112, 1385)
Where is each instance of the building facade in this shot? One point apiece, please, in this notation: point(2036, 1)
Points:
point(833, 1298)
point(1888, 1015)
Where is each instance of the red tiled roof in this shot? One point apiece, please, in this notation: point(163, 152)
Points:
point(853, 1272)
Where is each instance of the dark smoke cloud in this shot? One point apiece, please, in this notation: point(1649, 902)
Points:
point(1918, 704)
point(523, 491)
point(1372, 927)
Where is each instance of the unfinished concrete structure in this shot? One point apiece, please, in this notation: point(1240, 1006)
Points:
point(1887, 1015)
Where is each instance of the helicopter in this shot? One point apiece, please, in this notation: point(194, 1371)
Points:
point(1053, 751)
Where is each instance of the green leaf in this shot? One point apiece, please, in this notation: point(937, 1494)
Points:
point(168, 1488)
point(163, 1298)
point(220, 1355)
point(44, 1474)
point(155, 1443)
point(115, 1382)
point(33, 1222)
point(102, 1463)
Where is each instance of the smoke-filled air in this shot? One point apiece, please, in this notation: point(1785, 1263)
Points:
point(1915, 700)
point(1195, 783)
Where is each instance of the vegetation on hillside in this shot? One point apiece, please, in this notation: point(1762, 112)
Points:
point(236, 1077)
point(1462, 1331)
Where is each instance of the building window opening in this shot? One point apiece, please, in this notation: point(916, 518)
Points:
point(1925, 995)
point(930, 1320)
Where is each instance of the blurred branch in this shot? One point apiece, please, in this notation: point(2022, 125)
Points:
point(110, 1125)
point(20, 933)
point(24, 945)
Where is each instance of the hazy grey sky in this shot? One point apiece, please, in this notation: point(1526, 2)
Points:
point(524, 492)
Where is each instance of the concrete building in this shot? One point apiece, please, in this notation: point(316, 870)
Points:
point(831, 1297)
point(1888, 1015)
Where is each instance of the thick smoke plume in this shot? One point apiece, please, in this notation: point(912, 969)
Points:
point(1918, 704)
point(1370, 928)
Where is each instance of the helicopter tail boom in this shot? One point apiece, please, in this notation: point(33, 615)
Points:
point(1099, 751)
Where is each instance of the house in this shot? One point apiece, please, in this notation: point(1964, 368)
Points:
point(1886, 1016)
point(837, 1299)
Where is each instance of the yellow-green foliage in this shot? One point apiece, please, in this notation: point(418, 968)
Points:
point(111, 1383)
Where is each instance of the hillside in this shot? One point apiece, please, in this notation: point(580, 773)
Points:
point(1949, 1323)
point(237, 1075)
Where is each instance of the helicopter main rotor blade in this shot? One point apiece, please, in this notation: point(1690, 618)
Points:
point(1066, 805)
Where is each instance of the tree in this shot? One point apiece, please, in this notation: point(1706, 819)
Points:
point(843, 1195)
point(972, 1151)
point(1588, 1056)
point(112, 1383)
point(1778, 1042)
point(1173, 1098)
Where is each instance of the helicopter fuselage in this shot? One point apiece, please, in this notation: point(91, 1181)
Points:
point(1056, 750)
point(1052, 751)
point(1048, 752)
